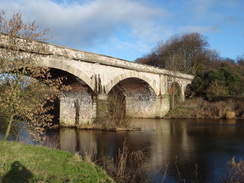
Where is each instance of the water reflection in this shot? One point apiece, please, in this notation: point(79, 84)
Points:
point(184, 144)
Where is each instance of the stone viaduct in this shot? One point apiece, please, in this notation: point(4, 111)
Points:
point(94, 78)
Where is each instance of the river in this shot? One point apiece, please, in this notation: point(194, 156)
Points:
point(179, 146)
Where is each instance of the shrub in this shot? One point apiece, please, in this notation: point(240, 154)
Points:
point(235, 172)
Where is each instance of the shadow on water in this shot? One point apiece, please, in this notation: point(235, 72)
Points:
point(17, 173)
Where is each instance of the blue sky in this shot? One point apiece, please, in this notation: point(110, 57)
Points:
point(129, 29)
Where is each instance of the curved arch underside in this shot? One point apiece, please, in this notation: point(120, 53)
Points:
point(76, 104)
point(64, 66)
point(139, 97)
point(114, 81)
point(175, 94)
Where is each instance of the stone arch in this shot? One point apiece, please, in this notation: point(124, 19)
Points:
point(187, 91)
point(64, 66)
point(184, 86)
point(183, 83)
point(76, 105)
point(175, 93)
point(128, 75)
point(136, 98)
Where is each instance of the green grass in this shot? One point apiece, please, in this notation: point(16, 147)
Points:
point(178, 111)
point(27, 163)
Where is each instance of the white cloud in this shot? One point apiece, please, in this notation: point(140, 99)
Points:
point(196, 28)
point(121, 27)
point(85, 24)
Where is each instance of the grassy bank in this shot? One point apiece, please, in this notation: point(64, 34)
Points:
point(202, 109)
point(23, 163)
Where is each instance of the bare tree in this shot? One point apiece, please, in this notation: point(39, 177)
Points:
point(191, 48)
point(25, 87)
point(173, 64)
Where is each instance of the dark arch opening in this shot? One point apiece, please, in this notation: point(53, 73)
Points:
point(188, 92)
point(174, 94)
point(132, 97)
point(79, 99)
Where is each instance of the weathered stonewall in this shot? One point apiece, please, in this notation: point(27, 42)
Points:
point(92, 77)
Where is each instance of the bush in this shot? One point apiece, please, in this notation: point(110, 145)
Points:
point(200, 108)
point(235, 172)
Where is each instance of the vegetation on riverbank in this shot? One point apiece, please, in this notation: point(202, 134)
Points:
point(217, 109)
point(215, 76)
point(27, 163)
point(127, 166)
point(130, 167)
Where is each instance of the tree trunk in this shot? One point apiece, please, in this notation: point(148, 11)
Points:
point(10, 121)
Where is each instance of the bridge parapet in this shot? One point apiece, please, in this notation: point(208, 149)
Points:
point(53, 50)
point(84, 56)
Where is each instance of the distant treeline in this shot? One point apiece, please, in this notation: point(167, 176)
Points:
point(189, 53)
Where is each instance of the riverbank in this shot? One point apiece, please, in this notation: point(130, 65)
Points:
point(201, 109)
point(28, 163)
point(100, 126)
point(104, 128)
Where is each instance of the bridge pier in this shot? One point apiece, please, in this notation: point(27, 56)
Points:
point(161, 105)
point(102, 106)
point(76, 108)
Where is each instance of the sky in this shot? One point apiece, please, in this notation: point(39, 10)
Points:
point(129, 29)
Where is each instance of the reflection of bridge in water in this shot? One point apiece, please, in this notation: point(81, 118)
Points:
point(191, 145)
point(152, 130)
point(160, 140)
point(161, 136)
point(94, 77)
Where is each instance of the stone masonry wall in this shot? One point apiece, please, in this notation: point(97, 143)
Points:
point(100, 74)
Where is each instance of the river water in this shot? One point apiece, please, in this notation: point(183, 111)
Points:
point(179, 146)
